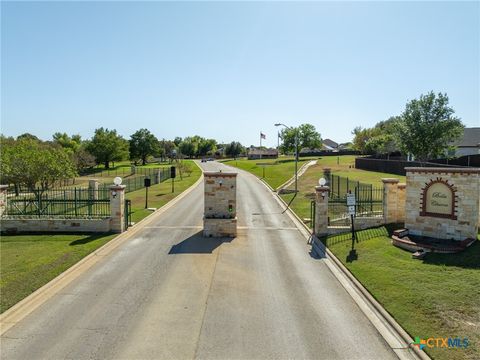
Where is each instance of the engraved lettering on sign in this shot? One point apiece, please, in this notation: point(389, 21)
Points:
point(438, 199)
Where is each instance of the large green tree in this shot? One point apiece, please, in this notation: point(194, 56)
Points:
point(34, 163)
point(142, 145)
point(427, 127)
point(378, 140)
point(234, 149)
point(308, 137)
point(107, 146)
point(71, 143)
point(206, 146)
point(188, 147)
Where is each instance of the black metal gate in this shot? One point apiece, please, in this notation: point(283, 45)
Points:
point(128, 213)
point(369, 203)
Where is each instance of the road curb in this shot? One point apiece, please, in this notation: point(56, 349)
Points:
point(381, 313)
point(26, 306)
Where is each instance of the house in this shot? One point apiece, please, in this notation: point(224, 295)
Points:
point(329, 145)
point(261, 153)
point(469, 143)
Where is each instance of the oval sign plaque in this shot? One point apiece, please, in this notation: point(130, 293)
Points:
point(438, 200)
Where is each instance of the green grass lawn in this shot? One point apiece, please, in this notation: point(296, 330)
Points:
point(160, 194)
point(30, 261)
point(277, 171)
point(340, 165)
point(435, 297)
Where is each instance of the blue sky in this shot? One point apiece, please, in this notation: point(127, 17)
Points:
point(231, 70)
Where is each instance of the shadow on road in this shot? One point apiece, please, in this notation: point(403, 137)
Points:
point(197, 244)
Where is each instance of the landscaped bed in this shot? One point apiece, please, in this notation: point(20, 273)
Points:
point(438, 296)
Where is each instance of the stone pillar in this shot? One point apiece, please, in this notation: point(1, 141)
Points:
point(93, 189)
point(158, 176)
point(3, 198)
point(220, 217)
point(327, 173)
point(401, 199)
point(321, 210)
point(117, 208)
point(390, 200)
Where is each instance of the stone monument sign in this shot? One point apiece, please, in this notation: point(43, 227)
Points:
point(443, 203)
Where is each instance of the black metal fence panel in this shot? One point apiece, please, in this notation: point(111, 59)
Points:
point(59, 203)
point(369, 200)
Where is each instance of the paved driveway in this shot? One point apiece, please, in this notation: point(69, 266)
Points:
point(168, 293)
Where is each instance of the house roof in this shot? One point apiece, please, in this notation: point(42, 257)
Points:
point(471, 138)
point(330, 143)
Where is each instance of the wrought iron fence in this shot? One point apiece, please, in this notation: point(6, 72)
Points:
point(369, 200)
point(138, 182)
point(59, 203)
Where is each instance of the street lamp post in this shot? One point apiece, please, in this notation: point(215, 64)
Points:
point(296, 153)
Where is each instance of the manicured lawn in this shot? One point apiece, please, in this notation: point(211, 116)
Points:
point(30, 261)
point(435, 297)
point(277, 171)
point(342, 166)
point(160, 194)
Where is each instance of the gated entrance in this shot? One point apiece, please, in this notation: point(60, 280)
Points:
point(369, 200)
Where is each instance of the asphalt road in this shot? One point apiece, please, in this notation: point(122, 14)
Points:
point(168, 293)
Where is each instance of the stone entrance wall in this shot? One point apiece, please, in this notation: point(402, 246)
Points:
point(220, 217)
point(443, 202)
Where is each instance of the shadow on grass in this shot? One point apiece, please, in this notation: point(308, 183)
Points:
point(361, 235)
point(197, 244)
point(87, 239)
point(468, 258)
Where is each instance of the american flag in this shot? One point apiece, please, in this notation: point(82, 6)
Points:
point(262, 136)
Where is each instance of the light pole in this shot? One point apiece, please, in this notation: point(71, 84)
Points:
point(296, 153)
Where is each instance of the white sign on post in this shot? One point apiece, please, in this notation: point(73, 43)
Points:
point(351, 210)
point(350, 199)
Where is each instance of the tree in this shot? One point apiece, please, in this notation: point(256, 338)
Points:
point(234, 149)
point(427, 127)
point(70, 143)
point(378, 140)
point(308, 137)
point(142, 145)
point(188, 147)
point(27, 136)
point(34, 163)
point(106, 145)
point(83, 159)
point(206, 146)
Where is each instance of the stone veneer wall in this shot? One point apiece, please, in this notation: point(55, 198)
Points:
point(11, 225)
point(220, 217)
point(466, 182)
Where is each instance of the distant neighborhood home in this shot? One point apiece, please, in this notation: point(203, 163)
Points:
point(469, 143)
point(329, 145)
point(261, 153)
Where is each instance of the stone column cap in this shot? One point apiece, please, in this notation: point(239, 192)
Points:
point(327, 168)
point(390, 180)
point(3, 187)
point(319, 188)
